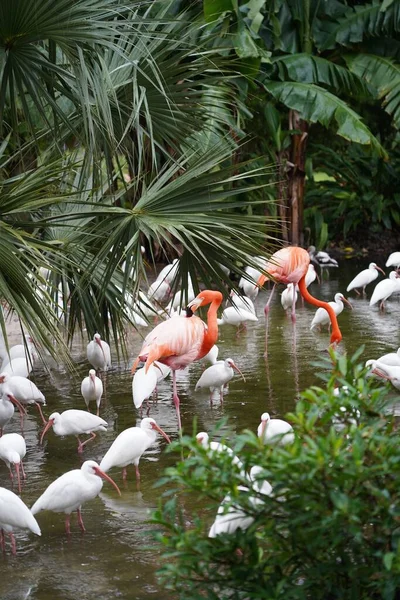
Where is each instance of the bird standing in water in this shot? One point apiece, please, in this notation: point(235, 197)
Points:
point(182, 340)
point(290, 265)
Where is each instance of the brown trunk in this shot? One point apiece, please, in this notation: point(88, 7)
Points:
point(297, 177)
point(283, 207)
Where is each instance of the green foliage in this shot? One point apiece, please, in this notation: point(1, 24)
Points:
point(358, 192)
point(330, 527)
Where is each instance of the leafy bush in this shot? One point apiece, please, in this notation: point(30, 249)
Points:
point(330, 528)
point(351, 191)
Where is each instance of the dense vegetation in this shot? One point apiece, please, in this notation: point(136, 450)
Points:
point(329, 529)
point(184, 126)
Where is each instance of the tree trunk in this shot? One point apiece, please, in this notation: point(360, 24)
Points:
point(297, 177)
point(283, 206)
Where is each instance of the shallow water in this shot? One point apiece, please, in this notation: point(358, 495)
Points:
point(116, 558)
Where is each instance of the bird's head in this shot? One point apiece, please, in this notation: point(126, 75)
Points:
point(375, 266)
point(265, 418)
point(230, 363)
point(149, 424)
point(97, 339)
point(90, 467)
point(92, 375)
point(4, 377)
point(202, 439)
point(52, 419)
point(205, 297)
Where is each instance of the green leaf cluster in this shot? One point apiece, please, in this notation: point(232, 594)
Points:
point(329, 529)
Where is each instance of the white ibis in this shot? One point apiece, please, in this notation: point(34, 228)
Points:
point(159, 291)
point(230, 517)
point(98, 353)
point(7, 411)
point(389, 372)
point(144, 384)
point(20, 367)
point(236, 316)
point(75, 422)
point(393, 260)
point(203, 439)
point(71, 490)
point(311, 275)
point(364, 278)
point(212, 355)
point(392, 358)
point(216, 376)
point(92, 389)
point(26, 351)
point(129, 446)
point(14, 514)
point(275, 431)
point(289, 296)
point(168, 273)
point(321, 316)
point(242, 302)
point(181, 298)
point(21, 390)
point(12, 451)
point(384, 289)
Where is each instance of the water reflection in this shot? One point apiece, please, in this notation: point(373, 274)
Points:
point(116, 558)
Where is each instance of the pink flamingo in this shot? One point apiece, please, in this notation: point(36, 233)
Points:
point(290, 265)
point(180, 341)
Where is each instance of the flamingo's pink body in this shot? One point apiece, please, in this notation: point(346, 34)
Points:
point(180, 341)
point(290, 265)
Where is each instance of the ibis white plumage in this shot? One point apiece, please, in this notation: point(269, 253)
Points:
point(12, 451)
point(289, 296)
point(384, 289)
point(22, 390)
point(216, 376)
point(92, 389)
point(275, 431)
point(129, 446)
point(98, 353)
point(321, 316)
point(236, 316)
point(230, 517)
point(393, 260)
point(75, 422)
point(392, 358)
point(14, 514)
point(364, 278)
point(67, 493)
point(20, 367)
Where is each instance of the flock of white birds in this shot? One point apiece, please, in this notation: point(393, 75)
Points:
point(67, 493)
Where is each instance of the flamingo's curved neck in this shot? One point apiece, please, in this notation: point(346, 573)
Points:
point(211, 335)
point(336, 333)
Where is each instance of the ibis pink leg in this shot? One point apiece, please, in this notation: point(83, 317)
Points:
point(137, 472)
point(13, 544)
point(41, 413)
point(68, 524)
point(92, 436)
point(124, 473)
point(176, 400)
point(17, 466)
point(23, 470)
point(80, 520)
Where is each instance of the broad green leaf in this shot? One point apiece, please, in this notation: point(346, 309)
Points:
point(318, 105)
point(213, 9)
point(384, 75)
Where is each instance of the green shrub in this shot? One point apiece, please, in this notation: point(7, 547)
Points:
point(329, 530)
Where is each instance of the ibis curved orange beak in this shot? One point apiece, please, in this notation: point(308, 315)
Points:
point(103, 475)
point(238, 370)
point(50, 423)
point(158, 428)
point(347, 302)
